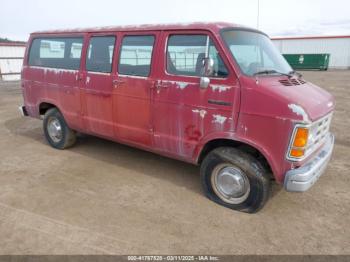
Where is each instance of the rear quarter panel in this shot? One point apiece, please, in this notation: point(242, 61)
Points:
point(50, 85)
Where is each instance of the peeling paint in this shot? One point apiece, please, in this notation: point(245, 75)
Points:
point(299, 111)
point(219, 119)
point(281, 118)
point(87, 80)
point(231, 123)
point(55, 70)
point(201, 112)
point(220, 88)
point(181, 85)
point(133, 76)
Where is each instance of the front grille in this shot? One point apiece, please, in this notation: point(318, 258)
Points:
point(318, 133)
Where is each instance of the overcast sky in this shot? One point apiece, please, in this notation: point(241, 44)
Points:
point(277, 17)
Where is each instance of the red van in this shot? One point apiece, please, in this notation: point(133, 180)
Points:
point(216, 95)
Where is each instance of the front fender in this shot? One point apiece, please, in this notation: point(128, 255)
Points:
point(268, 135)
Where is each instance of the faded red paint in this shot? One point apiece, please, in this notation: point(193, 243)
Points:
point(169, 114)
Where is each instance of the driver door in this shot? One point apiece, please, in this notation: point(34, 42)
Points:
point(183, 112)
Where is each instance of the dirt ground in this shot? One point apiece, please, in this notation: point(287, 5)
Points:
point(105, 198)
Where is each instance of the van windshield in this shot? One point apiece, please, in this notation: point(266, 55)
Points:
point(255, 53)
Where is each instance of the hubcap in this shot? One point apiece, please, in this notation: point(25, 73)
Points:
point(230, 183)
point(54, 129)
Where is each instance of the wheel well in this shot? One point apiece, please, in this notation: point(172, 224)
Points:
point(231, 143)
point(43, 107)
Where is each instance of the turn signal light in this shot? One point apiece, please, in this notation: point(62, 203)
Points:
point(300, 139)
point(297, 152)
point(299, 143)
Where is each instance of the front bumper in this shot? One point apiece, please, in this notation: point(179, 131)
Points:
point(23, 110)
point(302, 178)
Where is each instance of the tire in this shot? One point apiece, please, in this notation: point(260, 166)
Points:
point(251, 182)
point(57, 132)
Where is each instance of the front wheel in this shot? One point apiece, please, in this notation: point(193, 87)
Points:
point(235, 179)
point(56, 130)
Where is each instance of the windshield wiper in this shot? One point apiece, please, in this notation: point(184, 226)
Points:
point(293, 72)
point(268, 72)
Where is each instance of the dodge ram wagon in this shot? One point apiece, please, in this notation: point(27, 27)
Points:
point(217, 95)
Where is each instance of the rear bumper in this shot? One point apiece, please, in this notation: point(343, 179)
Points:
point(302, 178)
point(23, 110)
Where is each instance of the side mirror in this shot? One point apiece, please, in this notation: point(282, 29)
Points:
point(208, 66)
point(208, 69)
point(204, 82)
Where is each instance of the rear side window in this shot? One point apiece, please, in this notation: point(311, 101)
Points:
point(100, 54)
point(61, 52)
point(185, 55)
point(136, 55)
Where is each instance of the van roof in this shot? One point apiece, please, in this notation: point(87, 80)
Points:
point(212, 26)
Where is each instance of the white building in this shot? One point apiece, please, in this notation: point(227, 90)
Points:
point(11, 59)
point(337, 46)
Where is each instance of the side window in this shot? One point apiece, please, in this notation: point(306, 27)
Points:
point(75, 50)
point(100, 54)
point(52, 48)
point(185, 55)
point(136, 55)
point(60, 52)
point(220, 69)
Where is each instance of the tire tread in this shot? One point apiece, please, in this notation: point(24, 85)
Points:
point(250, 165)
point(69, 135)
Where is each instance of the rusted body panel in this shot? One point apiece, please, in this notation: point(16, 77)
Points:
point(171, 114)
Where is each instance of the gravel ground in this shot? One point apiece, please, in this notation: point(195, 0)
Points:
point(105, 198)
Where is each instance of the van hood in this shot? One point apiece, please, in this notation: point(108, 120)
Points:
point(292, 98)
point(306, 100)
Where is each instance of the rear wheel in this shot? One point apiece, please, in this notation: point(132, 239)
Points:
point(56, 130)
point(235, 179)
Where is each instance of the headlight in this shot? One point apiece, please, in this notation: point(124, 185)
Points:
point(306, 138)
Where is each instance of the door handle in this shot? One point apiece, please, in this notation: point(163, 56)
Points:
point(79, 77)
point(117, 82)
point(161, 84)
